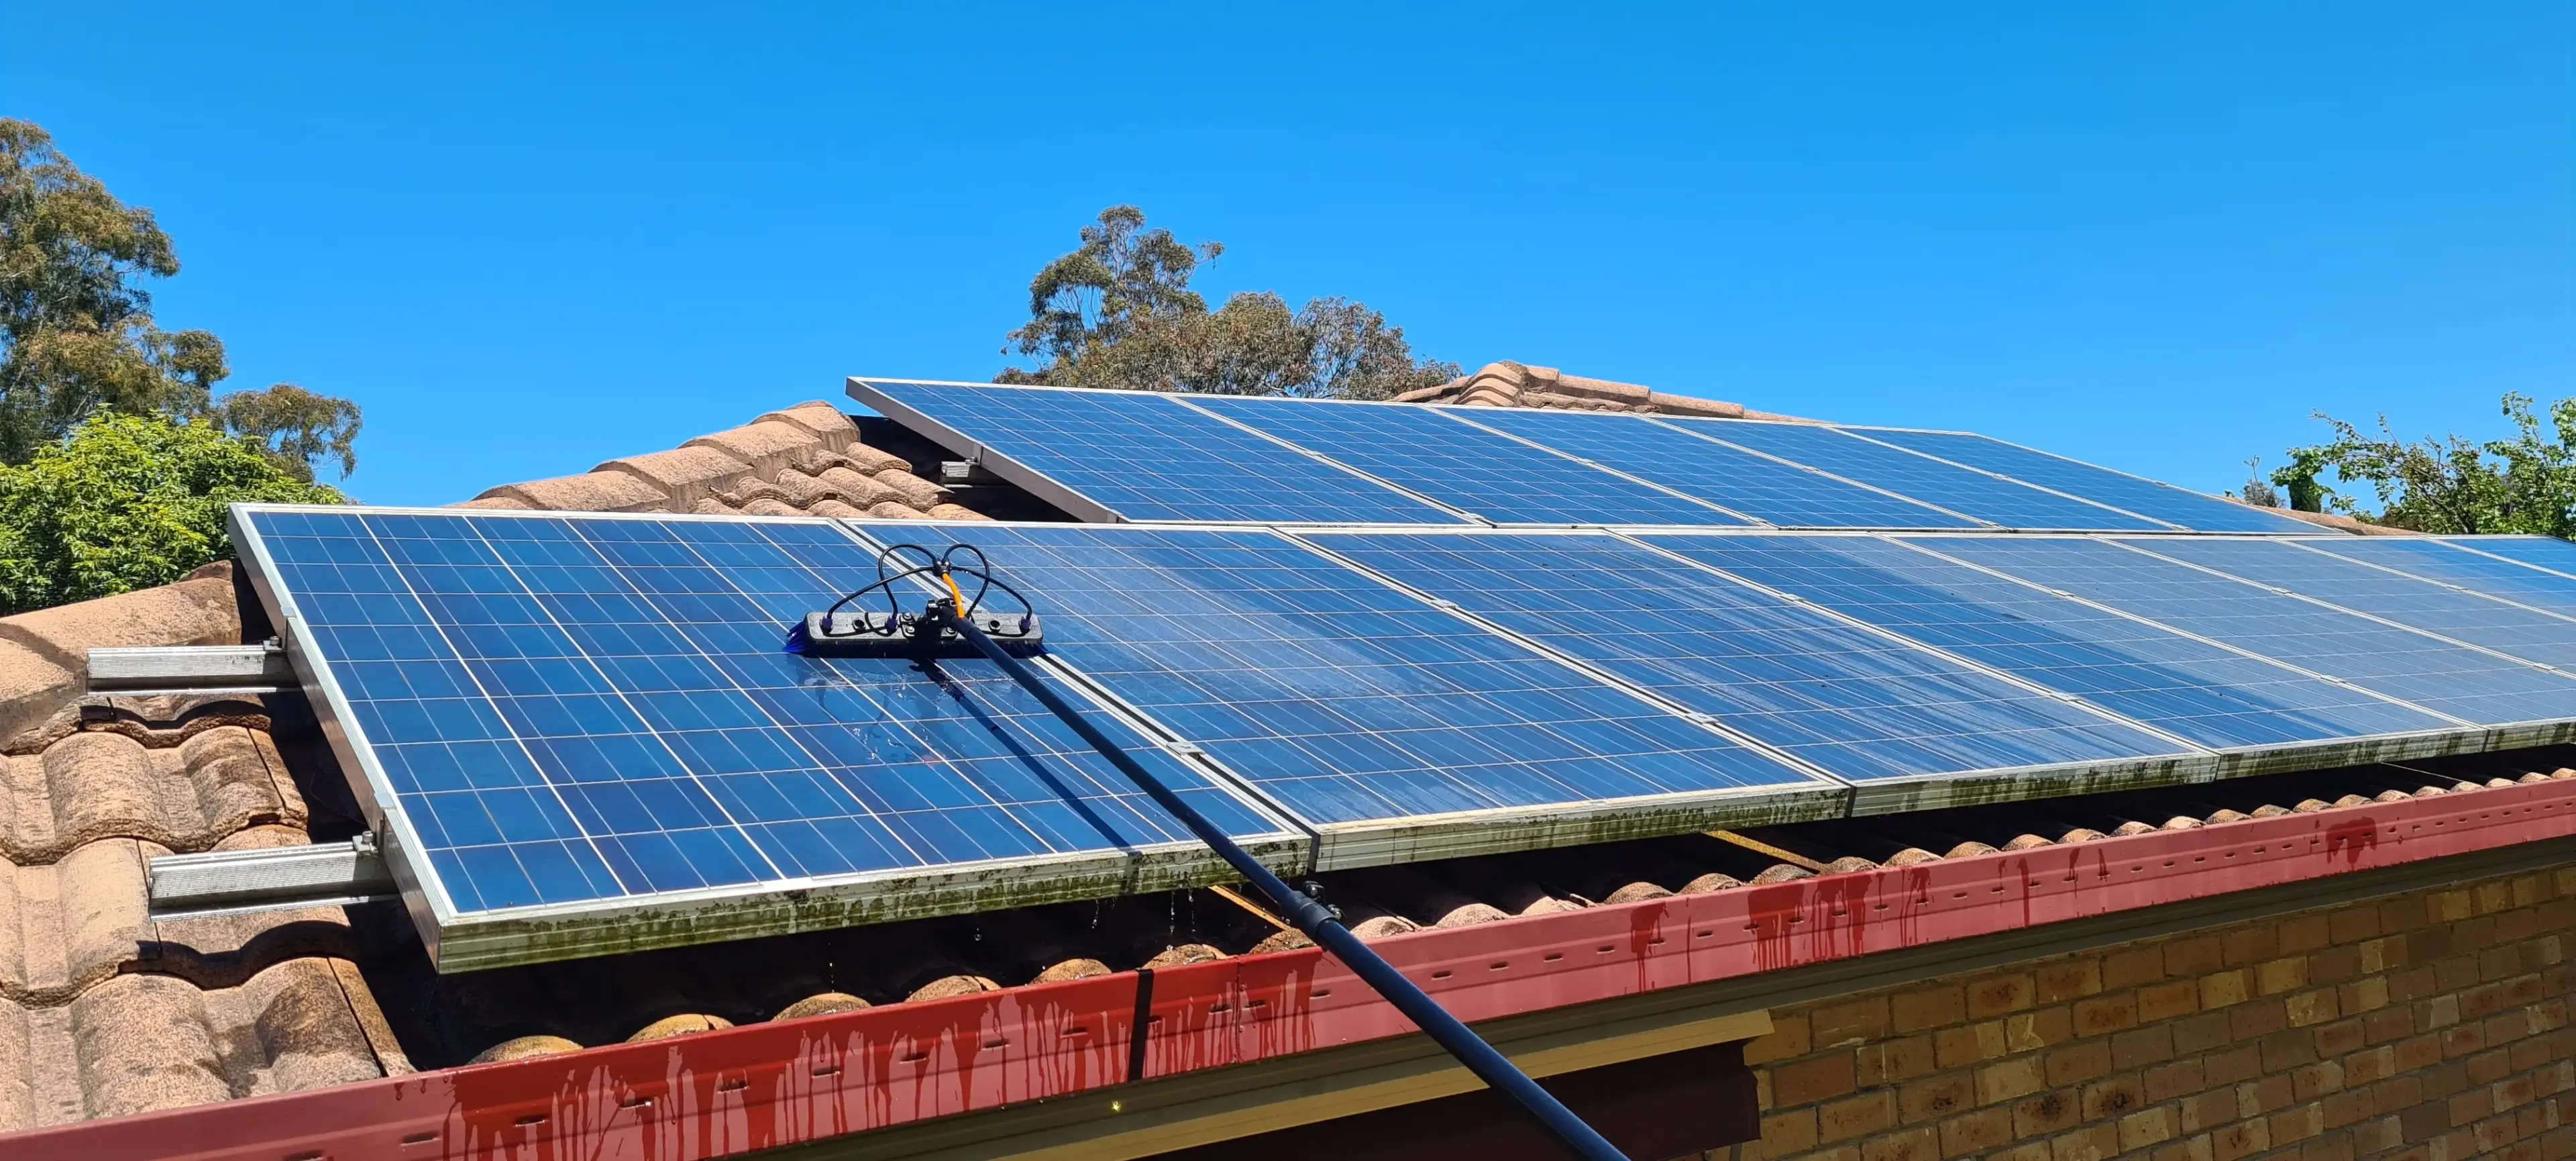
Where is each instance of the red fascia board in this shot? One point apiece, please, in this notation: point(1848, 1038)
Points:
point(720, 1093)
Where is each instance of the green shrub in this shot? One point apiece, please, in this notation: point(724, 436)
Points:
point(127, 502)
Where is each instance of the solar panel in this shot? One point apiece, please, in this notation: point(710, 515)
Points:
point(1126, 455)
point(2450, 679)
point(2182, 685)
point(1357, 708)
point(1763, 488)
point(2145, 497)
point(1465, 467)
point(2456, 562)
point(2408, 600)
point(563, 718)
point(2547, 552)
point(1976, 494)
point(1858, 704)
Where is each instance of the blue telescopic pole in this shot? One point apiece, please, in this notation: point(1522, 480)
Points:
point(1311, 917)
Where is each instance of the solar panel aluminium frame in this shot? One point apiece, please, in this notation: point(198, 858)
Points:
point(1458, 834)
point(459, 941)
point(1064, 496)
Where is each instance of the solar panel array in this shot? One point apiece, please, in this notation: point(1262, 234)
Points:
point(1147, 457)
point(566, 723)
point(565, 713)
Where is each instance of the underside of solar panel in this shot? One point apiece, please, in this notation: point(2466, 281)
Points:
point(584, 734)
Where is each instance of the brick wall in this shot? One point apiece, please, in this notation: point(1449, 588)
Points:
point(2425, 1027)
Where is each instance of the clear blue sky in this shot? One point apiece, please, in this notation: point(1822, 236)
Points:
point(2152, 236)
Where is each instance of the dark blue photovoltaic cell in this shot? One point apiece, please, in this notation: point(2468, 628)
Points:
point(1976, 494)
point(2453, 562)
point(1766, 489)
point(1853, 702)
point(2213, 696)
point(1342, 698)
point(1502, 480)
point(2118, 489)
point(2451, 679)
point(1149, 458)
point(584, 708)
point(2407, 600)
point(2537, 551)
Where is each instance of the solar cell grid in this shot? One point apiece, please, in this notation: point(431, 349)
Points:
point(1343, 699)
point(1852, 702)
point(2003, 502)
point(2119, 489)
point(2455, 563)
point(1473, 470)
point(1148, 457)
point(2450, 679)
point(2547, 552)
point(2405, 599)
point(2213, 696)
point(1767, 489)
point(577, 709)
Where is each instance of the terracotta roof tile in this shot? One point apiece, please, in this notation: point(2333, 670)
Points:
point(2342, 523)
point(102, 1009)
point(96, 784)
point(805, 460)
point(1510, 384)
point(769, 447)
point(587, 492)
point(685, 474)
point(821, 418)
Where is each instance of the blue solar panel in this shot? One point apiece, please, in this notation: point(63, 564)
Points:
point(2537, 551)
point(1766, 489)
point(2454, 562)
point(1339, 697)
point(2213, 696)
point(1147, 457)
point(2119, 489)
point(1502, 480)
point(579, 709)
point(1850, 701)
point(2405, 599)
point(2005, 503)
point(2450, 679)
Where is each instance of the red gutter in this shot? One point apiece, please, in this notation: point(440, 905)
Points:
point(720, 1093)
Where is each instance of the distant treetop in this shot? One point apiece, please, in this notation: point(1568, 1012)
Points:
point(1118, 312)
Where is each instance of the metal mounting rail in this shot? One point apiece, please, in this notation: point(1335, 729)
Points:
point(1311, 917)
point(191, 669)
point(268, 879)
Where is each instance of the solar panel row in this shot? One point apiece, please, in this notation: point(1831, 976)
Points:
point(1142, 456)
point(569, 715)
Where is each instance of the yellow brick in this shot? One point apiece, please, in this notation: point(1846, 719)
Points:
point(2225, 988)
point(2448, 906)
point(2281, 975)
point(2315, 1007)
point(2140, 1130)
point(2008, 1080)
